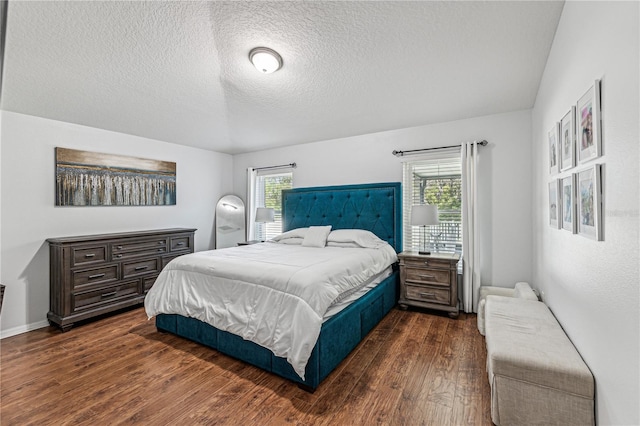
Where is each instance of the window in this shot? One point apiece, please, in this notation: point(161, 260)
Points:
point(434, 179)
point(268, 193)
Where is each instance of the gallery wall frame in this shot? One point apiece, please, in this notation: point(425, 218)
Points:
point(589, 202)
point(588, 125)
point(568, 140)
point(85, 178)
point(553, 137)
point(568, 203)
point(554, 207)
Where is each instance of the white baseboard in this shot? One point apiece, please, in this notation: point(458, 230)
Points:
point(23, 329)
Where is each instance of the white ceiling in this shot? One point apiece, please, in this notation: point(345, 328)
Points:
point(179, 71)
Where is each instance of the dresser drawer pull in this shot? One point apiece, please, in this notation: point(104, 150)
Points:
point(181, 243)
point(428, 295)
point(160, 250)
point(96, 276)
point(111, 294)
point(89, 256)
point(118, 247)
point(140, 268)
point(428, 277)
point(118, 255)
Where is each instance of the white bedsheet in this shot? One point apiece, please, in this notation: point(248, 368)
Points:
point(272, 294)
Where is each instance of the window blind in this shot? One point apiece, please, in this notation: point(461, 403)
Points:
point(434, 178)
point(268, 193)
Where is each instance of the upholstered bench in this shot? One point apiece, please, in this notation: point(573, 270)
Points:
point(521, 290)
point(536, 374)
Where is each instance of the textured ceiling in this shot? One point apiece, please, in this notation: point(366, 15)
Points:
point(179, 71)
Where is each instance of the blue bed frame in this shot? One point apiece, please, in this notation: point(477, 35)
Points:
point(374, 207)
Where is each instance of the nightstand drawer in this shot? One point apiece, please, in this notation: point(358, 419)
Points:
point(429, 276)
point(428, 294)
point(414, 262)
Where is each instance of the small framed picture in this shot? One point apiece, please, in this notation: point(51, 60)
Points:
point(554, 208)
point(568, 196)
point(553, 136)
point(588, 132)
point(589, 202)
point(568, 140)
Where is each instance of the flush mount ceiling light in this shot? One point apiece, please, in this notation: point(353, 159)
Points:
point(265, 60)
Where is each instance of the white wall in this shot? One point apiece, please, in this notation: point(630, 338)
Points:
point(29, 215)
point(504, 171)
point(592, 287)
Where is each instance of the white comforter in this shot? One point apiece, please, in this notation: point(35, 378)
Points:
point(272, 294)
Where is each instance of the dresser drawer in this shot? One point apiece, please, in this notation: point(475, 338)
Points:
point(89, 255)
point(412, 262)
point(141, 267)
point(179, 243)
point(105, 295)
point(429, 276)
point(428, 294)
point(94, 276)
point(131, 249)
point(147, 283)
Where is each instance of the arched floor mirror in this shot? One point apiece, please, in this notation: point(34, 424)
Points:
point(230, 222)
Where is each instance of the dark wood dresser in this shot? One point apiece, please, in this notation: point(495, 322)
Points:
point(95, 274)
point(429, 281)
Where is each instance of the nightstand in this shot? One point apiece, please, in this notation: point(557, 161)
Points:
point(429, 281)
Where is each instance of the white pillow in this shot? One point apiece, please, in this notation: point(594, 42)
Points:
point(294, 233)
point(316, 236)
point(357, 237)
point(290, 241)
point(343, 245)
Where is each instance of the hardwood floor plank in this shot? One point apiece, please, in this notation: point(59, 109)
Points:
point(414, 368)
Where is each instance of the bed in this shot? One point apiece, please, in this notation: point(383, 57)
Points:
point(371, 207)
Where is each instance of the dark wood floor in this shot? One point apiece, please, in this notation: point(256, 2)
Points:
point(414, 368)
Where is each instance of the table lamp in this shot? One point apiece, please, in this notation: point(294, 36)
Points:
point(265, 214)
point(424, 215)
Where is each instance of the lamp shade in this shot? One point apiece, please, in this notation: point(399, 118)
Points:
point(265, 214)
point(424, 214)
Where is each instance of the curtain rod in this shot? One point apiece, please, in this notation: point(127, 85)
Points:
point(292, 165)
point(411, 151)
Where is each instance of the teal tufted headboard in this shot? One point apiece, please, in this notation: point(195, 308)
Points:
point(376, 207)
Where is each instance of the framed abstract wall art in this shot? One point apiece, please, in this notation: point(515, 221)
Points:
point(86, 178)
point(568, 210)
point(554, 208)
point(568, 140)
point(553, 138)
point(589, 202)
point(588, 129)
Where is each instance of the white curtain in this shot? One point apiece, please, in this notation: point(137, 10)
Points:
point(251, 202)
point(470, 243)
